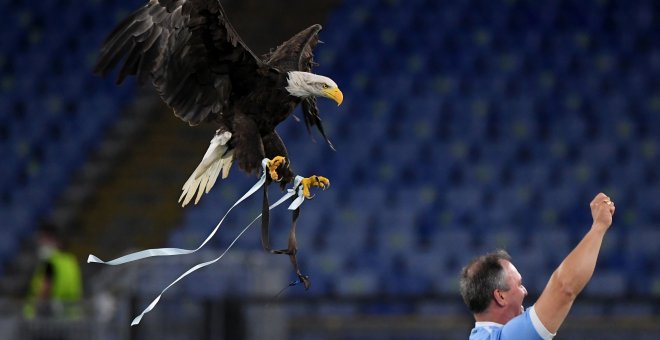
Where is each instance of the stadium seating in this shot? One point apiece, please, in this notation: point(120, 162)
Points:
point(53, 111)
point(467, 126)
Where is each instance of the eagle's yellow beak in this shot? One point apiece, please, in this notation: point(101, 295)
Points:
point(334, 94)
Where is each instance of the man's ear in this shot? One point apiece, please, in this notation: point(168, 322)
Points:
point(498, 296)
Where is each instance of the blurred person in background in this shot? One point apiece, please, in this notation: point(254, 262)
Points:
point(56, 285)
point(493, 289)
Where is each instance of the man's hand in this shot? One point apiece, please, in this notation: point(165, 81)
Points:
point(602, 209)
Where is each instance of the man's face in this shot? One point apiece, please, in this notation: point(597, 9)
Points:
point(517, 292)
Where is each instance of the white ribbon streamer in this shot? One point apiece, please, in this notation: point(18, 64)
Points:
point(299, 188)
point(177, 251)
point(290, 193)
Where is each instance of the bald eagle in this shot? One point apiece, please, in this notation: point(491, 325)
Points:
point(202, 69)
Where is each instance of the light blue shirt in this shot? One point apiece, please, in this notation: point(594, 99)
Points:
point(525, 326)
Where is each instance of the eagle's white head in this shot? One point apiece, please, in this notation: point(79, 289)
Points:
point(305, 84)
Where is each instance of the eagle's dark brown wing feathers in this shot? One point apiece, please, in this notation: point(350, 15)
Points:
point(188, 48)
point(306, 59)
point(296, 53)
point(313, 118)
point(135, 36)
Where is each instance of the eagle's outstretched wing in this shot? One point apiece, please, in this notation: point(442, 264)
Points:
point(295, 54)
point(189, 50)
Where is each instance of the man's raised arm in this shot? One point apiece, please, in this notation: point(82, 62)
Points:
point(574, 272)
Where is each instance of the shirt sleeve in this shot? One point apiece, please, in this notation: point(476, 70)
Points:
point(525, 326)
point(538, 325)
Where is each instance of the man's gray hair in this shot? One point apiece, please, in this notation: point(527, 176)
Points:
point(481, 277)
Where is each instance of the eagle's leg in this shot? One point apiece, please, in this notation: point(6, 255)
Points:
point(279, 167)
point(273, 165)
point(314, 181)
point(247, 142)
point(292, 249)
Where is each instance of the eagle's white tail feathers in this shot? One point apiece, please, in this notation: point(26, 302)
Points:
point(223, 166)
point(216, 159)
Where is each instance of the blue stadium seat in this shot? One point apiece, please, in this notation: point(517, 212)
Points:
point(453, 240)
point(607, 284)
point(554, 242)
point(358, 283)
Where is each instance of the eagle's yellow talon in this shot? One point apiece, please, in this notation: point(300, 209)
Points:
point(314, 181)
point(273, 164)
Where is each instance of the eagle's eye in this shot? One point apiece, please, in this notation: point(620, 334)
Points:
point(325, 86)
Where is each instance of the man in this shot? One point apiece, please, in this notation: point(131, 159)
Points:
point(492, 287)
point(56, 285)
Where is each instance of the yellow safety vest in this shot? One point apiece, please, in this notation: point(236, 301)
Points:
point(66, 285)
